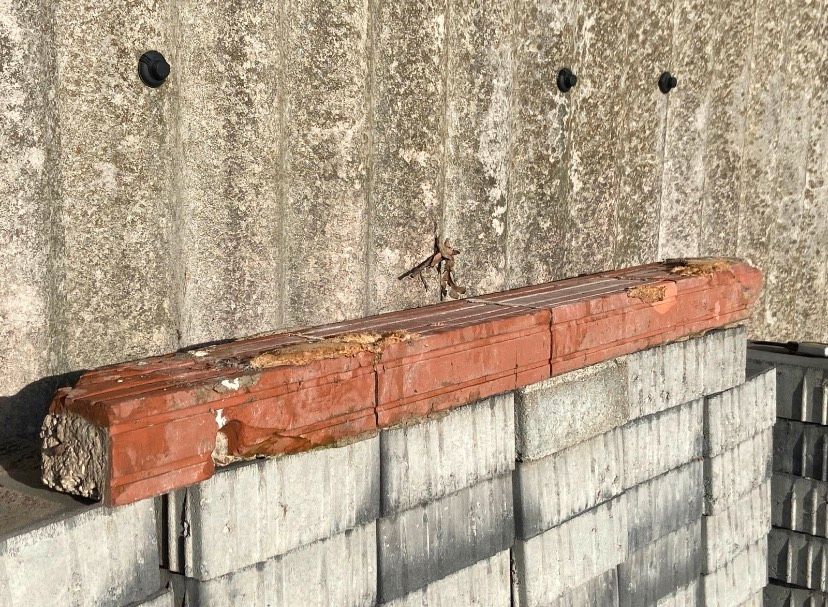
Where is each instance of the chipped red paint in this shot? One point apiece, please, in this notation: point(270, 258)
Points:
point(162, 414)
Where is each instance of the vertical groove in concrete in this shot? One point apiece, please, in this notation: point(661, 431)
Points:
point(648, 38)
point(686, 130)
point(786, 247)
point(407, 162)
point(729, 76)
point(29, 195)
point(114, 162)
point(597, 101)
point(537, 214)
point(230, 142)
point(477, 157)
point(760, 154)
point(326, 75)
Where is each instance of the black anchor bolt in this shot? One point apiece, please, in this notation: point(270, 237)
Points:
point(153, 69)
point(566, 80)
point(667, 82)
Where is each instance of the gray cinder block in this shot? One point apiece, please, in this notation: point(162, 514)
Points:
point(801, 384)
point(600, 591)
point(735, 415)
point(569, 409)
point(787, 596)
point(799, 559)
point(661, 567)
point(800, 504)
point(250, 513)
point(553, 489)
point(658, 443)
point(665, 504)
point(101, 556)
point(730, 531)
point(426, 543)
point(740, 579)
point(484, 584)
point(426, 461)
point(163, 598)
point(339, 571)
point(689, 596)
point(565, 557)
point(735, 472)
point(800, 449)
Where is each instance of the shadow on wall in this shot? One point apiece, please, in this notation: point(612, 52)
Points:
point(22, 414)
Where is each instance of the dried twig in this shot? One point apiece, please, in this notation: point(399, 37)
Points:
point(443, 259)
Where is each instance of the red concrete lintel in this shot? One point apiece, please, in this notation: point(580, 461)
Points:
point(287, 392)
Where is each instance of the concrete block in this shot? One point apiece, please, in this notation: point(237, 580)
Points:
point(569, 409)
point(800, 449)
point(665, 504)
point(101, 556)
point(163, 598)
point(658, 443)
point(689, 596)
point(253, 512)
point(426, 461)
point(426, 543)
point(739, 580)
point(787, 596)
point(727, 533)
point(735, 415)
point(484, 584)
point(668, 375)
point(553, 489)
point(340, 571)
point(661, 567)
point(800, 504)
point(801, 384)
point(757, 599)
point(567, 556)
point(600, 591)
point(734, 473)
point(797, 558)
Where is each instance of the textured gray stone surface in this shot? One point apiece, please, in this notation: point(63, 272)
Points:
point(569, 409)
point(252, 512)
point(800, 504)
point(740, 579)
point(734, 473)
point(800, 449)
point(730, 531)
point(426, 461)
point(164, 598)
point(689, 596)
point(658, 443)
point(569, 555)
point(798, 558)
point(777, 594)
point(340, 571)
point(426, 543)
point(101, 556)
point(600, 591)
point(552, 490)
point(484, 584)
point(736, 415)
point(664, 504)
point(661, 567)
point(801, 384)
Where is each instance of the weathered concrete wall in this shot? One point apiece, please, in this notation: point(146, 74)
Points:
point(304, 153)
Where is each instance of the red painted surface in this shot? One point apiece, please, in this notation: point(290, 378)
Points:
point(163, 413)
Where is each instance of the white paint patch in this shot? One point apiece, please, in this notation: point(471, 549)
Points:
point(231, 384)
point(221, 421)
point(198, 353)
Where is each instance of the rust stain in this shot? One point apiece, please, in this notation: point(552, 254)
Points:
point(701, 267)
point(648, 294)
point(347, 345)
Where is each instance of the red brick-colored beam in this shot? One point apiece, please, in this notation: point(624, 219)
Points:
point(141, 428)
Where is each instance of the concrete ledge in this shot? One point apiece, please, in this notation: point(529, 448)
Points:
point(427, 543)
point(338, 571)
point(252, 512)
point(167, 421)
point(426, 461)
point(484, 584)
point(101, 556)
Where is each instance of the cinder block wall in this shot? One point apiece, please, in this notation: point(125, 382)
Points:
point(304, 153)
point(644, 480)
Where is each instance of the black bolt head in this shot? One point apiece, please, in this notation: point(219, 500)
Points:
point(566, 80)
point(667, 82)
point(153, 69)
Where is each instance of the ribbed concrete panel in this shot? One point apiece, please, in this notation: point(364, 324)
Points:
point(734, 473)
point(800, 504)
point(800, 384)
point(777, 594)
point(683, 597)
point(798, 559)
point(800, 449)
point(600, 591)
point(739, 580)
